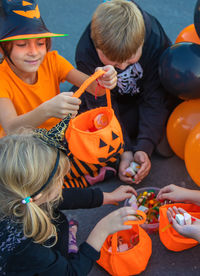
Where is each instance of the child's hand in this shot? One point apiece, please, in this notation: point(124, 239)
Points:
point(139, 157)
point(110, 224)
point(61, 105)
point(109, 79)
point(143, 160)
point(126, 159)
point(173, 193)
point(190, 231)
point(119, 194)
point(115, 221)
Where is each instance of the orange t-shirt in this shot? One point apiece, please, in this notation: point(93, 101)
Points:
point(27, 97)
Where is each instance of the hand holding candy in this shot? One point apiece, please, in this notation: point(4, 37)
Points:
point(145, 165)
point(188, 230)
point(120, 194)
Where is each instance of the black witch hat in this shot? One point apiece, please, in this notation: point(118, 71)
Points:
point(21, 20)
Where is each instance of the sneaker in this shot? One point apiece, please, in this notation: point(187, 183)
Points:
point(72, 246)
point(104, 173)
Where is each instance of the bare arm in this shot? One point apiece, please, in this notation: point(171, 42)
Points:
point(11, 121)
point(57, 107)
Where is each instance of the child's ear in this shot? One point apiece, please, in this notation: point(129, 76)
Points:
point(37, 197)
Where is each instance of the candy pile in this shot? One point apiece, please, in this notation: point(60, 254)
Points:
point(147, 202)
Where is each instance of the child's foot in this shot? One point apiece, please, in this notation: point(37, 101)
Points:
point(104, 173)
point(73, 226)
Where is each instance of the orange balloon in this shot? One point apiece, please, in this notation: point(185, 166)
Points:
point(192, 154)
point(181, 121)
point(188, 34)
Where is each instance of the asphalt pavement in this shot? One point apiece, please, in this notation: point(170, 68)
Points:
point(71, 17)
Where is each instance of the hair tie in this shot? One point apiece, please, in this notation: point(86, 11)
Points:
point(27, 200)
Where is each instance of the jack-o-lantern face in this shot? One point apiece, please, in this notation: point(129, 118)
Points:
point(27, 9)
point(110, 150)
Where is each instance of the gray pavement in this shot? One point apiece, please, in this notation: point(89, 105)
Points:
point(71, 17)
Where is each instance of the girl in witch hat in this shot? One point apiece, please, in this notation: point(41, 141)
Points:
point(30, 73)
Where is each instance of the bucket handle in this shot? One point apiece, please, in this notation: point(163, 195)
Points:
point(87, 82)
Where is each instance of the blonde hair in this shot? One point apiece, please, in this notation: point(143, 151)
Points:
point(25, 165)
point(118, 29)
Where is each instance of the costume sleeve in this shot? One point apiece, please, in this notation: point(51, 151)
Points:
point(154, 106)
point(36, 259)
point(5, 89)
point(62, 66)
point(81, 198)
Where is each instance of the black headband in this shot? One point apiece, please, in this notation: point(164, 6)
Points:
point(50, 176)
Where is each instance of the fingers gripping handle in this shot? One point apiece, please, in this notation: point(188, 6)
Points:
point(141, 221)
point(86, 83)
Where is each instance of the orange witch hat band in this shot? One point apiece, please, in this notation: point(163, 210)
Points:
point(31, 36)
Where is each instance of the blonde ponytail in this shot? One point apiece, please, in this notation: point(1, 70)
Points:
point(25, 165)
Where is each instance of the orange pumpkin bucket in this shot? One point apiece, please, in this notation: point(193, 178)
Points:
point(95, 136)
point(168, 235)
point(132, 261)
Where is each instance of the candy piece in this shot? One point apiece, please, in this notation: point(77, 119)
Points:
point(135, 166)
point(180, 219)
point(123, 247)
point(100, 121)
point(156, 208)
point(187, 218)
point(151, 202)
point(152, 195)
point(132, 199)
point(119, 240)
point(134, 239)
point(193, 219)
point(140, 200)
point(144, 201)
point(143, 209)
point(166, 227)
point(133, 202)
point(130, 172)
point(132, 169)
point(152, 191)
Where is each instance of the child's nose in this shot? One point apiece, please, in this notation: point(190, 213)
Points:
point(122, 66)
point(33, 49)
